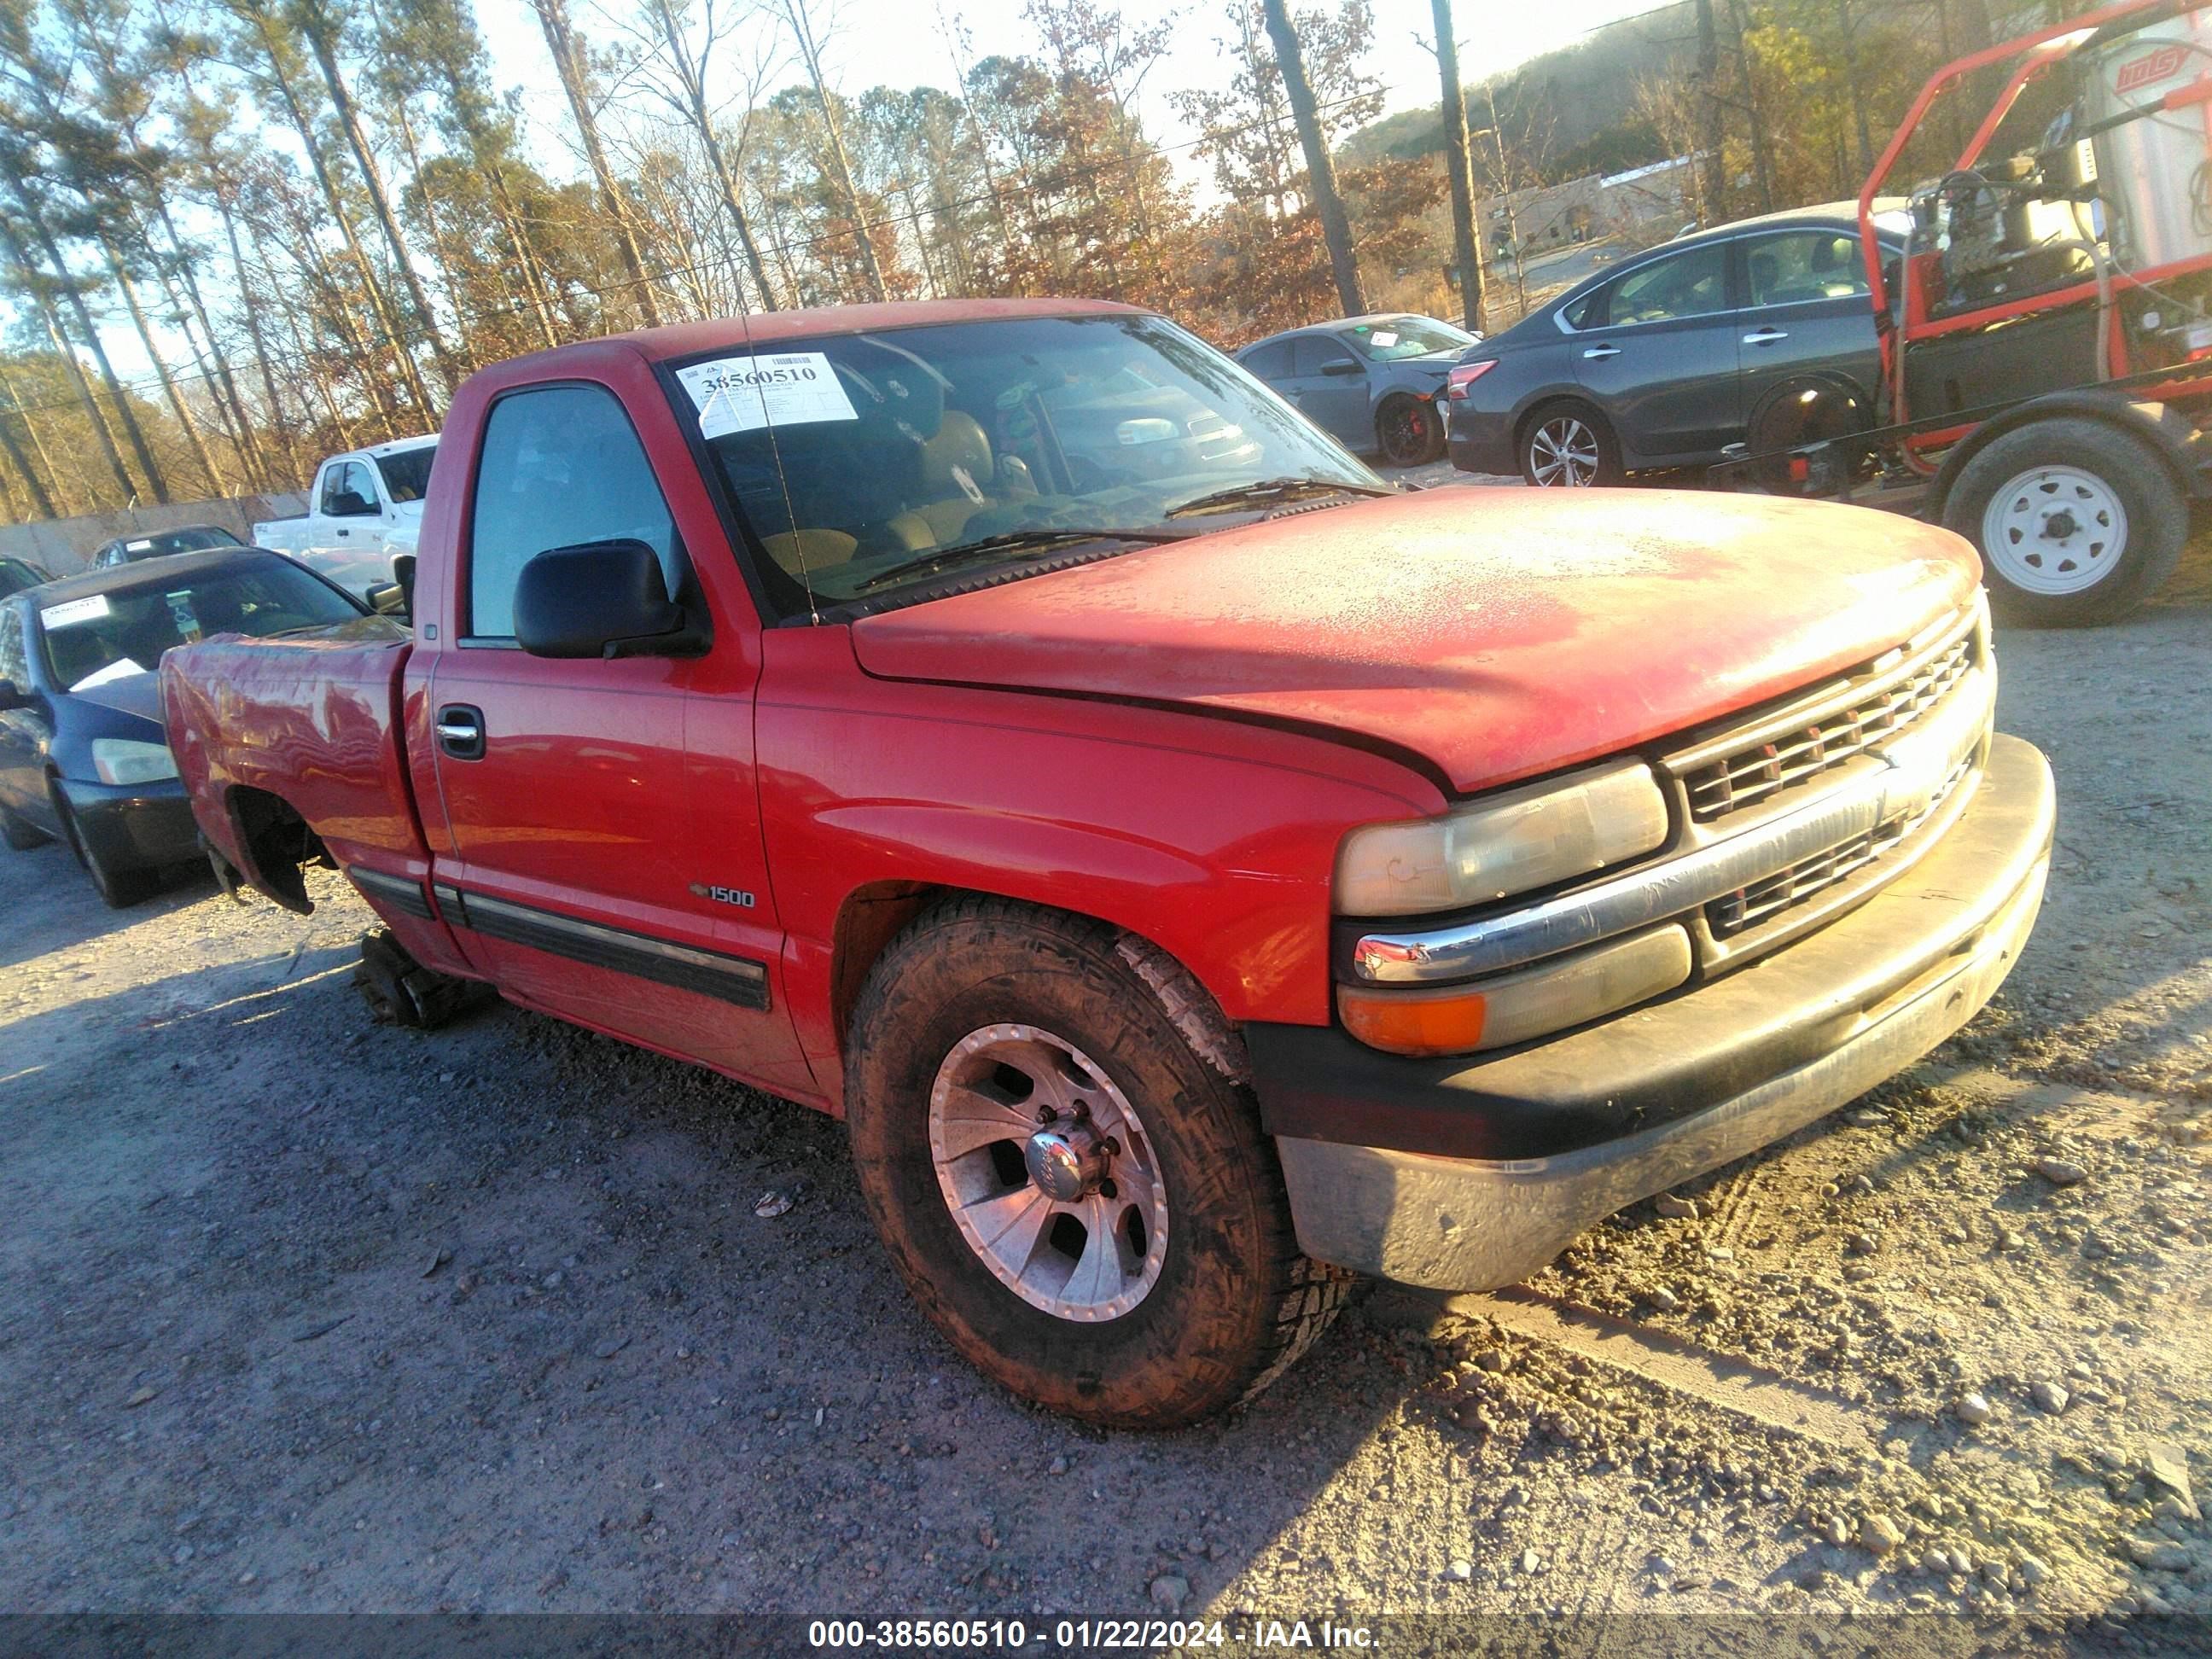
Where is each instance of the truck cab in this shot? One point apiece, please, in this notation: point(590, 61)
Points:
point(365, 510)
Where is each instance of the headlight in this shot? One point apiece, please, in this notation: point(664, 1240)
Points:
point(117, 760)
point(1507, 843)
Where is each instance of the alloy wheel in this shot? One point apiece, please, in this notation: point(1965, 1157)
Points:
point(1563, 453)
point(1048, 1172)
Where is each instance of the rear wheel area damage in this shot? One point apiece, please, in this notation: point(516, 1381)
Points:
point(401, 991)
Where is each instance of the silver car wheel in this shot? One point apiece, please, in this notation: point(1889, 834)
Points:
point(1049, 1173)
point(2054, 530)
point(1563, 453)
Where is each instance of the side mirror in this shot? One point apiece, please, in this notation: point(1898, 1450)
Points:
point(1340, 366)
point(387, 599)
point(10, 697)
point(600, 600)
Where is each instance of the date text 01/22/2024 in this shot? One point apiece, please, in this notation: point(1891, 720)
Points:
point(1079, 1635)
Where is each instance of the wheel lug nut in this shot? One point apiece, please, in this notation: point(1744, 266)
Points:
point(1048, 1116)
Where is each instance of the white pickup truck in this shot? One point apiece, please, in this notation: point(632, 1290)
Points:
point(365, 510)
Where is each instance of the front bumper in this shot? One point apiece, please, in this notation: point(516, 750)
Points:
point(137, 826)
point(1692, 1084)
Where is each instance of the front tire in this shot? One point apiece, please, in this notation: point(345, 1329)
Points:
point(1122, 1251)
point(20, 834)
point(118, 889)
point(2077, 523)
point(1409, 430)
point(1567, 446)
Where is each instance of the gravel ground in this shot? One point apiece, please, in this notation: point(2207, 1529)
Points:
point(301, 1313)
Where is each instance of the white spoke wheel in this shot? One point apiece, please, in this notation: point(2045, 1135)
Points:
point(1050, 1136)
point(2078, 520)
point(1048, 1171)
point(2054, 530)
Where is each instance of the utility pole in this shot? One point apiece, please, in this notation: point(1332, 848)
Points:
point(1321, 171)
point(1465, 249)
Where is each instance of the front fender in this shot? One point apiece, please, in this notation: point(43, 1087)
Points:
point(1215, 840)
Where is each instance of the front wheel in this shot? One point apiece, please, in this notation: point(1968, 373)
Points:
point(20, 834)
point(1409, 430)
point(2077, 522)
point(118, 888)
point(1568, 446)
point(1051, 1138)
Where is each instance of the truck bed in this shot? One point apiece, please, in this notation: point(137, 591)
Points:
point(312, 721)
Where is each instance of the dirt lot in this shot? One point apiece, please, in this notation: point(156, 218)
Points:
point(300, 1313)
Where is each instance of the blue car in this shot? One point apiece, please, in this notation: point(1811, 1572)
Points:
point(1375, 384)
point(83, 756)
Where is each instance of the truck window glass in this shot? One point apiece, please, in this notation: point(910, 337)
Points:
point(407, 475)
point(559, 466)
point(948, 435)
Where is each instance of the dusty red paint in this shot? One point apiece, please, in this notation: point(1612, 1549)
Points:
point(1496, 634)
point(1173, 740)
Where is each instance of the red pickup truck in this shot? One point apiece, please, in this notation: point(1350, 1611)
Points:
point(1197, 870)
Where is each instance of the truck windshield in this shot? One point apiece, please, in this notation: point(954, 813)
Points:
point(407, 475)
point(850, 454)
point(121, 631)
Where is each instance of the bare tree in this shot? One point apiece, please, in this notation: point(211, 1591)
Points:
point(573, 66)
point(1464, 252)
point(685, 43)
point(798, 17)
point(1321, 171)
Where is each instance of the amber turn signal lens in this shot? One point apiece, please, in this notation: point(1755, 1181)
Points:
point(1416, 1022)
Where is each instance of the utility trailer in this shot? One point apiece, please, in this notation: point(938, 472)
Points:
point(2046, 330)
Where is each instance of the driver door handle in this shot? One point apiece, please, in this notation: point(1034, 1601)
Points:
point(1597, 351)
point(1766, 336)
point(460, 731)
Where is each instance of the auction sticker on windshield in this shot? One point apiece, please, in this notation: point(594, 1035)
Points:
point(743, 394)
point(91, 608)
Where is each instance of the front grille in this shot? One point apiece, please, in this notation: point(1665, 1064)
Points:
point(1760, 770)
point(1764, 900)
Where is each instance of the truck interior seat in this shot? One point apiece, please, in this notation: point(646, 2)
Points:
point(820, 549)
point(955, 470)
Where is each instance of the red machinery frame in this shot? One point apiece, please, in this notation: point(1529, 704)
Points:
point(2036, 52)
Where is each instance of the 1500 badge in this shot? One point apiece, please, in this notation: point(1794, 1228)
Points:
point(736, 896)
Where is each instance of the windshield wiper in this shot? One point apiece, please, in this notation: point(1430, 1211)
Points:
point(1013, 541)
point(1268, 491)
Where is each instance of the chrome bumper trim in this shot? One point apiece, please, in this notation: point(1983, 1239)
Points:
point(1910, 771)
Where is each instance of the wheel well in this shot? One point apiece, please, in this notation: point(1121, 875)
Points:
point(871, 916)
point(278, 844)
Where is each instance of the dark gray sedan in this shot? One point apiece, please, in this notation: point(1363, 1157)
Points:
point(83, 756)
point(1669, 357)
point(1371, 383)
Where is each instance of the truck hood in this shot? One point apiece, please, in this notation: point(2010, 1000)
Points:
point(1496, 634)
